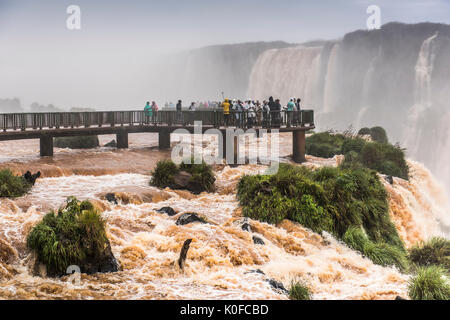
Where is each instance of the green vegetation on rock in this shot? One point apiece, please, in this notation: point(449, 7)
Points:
point(193, 177)
point(336, 200)
point(12, 186)
point(75, 235)
point(436, 251)
point(80, 142)
point(429, 283)
point(377, 134)
point(380, 253)
point(164, 173)
point(298, 290)
point(380, 156)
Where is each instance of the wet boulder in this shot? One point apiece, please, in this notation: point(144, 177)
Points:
point(104, 262)
point(111, 144)
point(167, 210)
point(246, 227)
point(259, 271)
point(277, 285)
point(389, 179)
point(182, 180)
point(111, 197)
point(187, 218)
point(31, 178)
point(258, 240)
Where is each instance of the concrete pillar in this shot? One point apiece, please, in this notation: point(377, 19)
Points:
point(46, 146)
point(298, 145)
point(222, 140)
point(122, 140)
point(230, 147)
point(164, 139)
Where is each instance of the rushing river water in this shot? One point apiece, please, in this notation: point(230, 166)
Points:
point(222, 258)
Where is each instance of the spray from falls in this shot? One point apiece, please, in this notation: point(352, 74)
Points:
point(286, 73)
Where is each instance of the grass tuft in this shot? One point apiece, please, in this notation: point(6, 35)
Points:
point(436, 251)
point(298, 290)
point(429, 283)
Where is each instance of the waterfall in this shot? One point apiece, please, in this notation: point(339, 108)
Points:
point(286, 73)
point(330, 79)
point(422, 97)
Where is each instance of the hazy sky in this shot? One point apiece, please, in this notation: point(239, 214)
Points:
point(106, 62)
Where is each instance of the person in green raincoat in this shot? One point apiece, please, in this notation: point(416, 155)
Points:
point(148, 111)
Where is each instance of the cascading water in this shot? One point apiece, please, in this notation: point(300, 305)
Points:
point(285, 73)
point(222, 255)
point(422, 95)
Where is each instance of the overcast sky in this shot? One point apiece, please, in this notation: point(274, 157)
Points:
point(104, 63)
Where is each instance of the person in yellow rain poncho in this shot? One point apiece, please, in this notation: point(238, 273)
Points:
point(226, 111)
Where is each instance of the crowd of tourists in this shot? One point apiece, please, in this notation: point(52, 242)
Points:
point(239, 113)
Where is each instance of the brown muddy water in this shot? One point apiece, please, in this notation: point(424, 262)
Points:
point(221, 257)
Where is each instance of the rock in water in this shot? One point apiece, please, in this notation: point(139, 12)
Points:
point(183, 253)
point(167, 210)
point(181, 180)
point(257, 240)
point(104, 263)
point(31, 178)
point(246, 227)
point(277, 285)
point(188, 218)
point(256, 271)
point(111, 144)
point(111, 197)
point(389, 179)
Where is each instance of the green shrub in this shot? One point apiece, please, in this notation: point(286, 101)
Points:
point(324, 144)
point(12, 186)
point(353, 144)
point(80, 142)
point(429, 283)
point(164, 173)
point(323, 150)
point(336, 200)
point(202, 177)
point(378, 134)
point(364, 131)
point(436, 251)
point(385, 158)
point(70, 237)
point(379, 155)
point(299, 291)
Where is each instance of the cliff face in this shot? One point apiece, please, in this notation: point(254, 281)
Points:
point(397, 77)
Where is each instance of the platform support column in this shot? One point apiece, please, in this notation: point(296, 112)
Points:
point(122, 140)
point(46, 146)
point(164, 139)
point(299, 146)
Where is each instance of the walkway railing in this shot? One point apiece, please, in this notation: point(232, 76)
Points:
point(216, 118)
